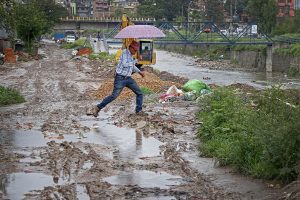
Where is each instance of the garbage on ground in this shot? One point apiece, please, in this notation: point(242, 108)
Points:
point(9, 56)
point(171, 95)
point(190, 96)
point(205, 91)
point(174, 90)
point(195, 85)
point(74, 52)
point(84, 51)
point(168, 98)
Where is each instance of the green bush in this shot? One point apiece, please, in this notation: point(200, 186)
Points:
point(146, 90)
point(78, 43)
point(293, 71)
point(291, 50)
point(102, 56)
point(261, 140)
point(10, 96)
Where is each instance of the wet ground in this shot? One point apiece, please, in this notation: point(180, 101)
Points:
point(220, 74)
point(50, 149)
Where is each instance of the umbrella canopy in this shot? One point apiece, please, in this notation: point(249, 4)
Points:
point(140, 31)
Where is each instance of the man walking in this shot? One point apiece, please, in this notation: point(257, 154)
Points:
point(125, 67)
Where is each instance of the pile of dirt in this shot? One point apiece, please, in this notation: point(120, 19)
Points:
point(9, 57)
point(25, 57)
point(151, 81)
point(166, 76)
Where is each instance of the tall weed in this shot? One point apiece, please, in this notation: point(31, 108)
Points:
point(259, 134)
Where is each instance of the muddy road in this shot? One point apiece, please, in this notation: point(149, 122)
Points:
point(50, 148)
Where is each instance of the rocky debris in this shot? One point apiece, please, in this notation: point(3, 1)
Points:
point(291, 191)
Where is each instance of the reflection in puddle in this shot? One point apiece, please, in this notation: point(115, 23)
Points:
point(18, 184)
point(145, 179)
point(159, 198)
point(130, 144)
point(87, 164)
point(81, 192)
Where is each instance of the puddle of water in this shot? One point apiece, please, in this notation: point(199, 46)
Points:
point(87, 164)
point(223, 177)
point(18, 184)
point(21, 138)
point(145, 179)
point(81, 192)
point(159, 198)
point(130, 144)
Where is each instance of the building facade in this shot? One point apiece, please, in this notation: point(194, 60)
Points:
point(101, 8)
point(297, 5)
point(286, 8)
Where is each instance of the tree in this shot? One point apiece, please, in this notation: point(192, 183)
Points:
point(53, 12)
point(263, 12)
point(30, 23)
point(235, 7)
point(7, 18)
point(161, 9)
point(214, 10)
point(29, 20)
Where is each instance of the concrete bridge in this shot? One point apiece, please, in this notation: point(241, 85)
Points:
point(89, 23)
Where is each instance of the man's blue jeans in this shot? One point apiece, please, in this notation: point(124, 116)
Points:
point(119, 83)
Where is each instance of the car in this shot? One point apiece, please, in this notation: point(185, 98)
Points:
point(70, 38)
point(224, 32)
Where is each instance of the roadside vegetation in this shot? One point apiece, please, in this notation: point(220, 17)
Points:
point(291, 50)
point(10, 96)
point(82, 42)
point(102, 56)
point(259, 134)
point(146, 90)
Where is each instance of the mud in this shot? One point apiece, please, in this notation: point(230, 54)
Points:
point(50, 149)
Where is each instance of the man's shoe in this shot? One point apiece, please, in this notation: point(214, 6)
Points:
point(141, 113)
point(96, 111)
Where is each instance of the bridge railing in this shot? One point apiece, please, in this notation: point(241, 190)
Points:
point(208, 32)
point(104, 19)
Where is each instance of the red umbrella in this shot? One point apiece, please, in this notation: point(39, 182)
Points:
point(140, 31)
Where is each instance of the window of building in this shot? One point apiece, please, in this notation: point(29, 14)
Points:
point(297, 4)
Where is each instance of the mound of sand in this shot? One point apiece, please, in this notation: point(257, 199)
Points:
point(150, 81)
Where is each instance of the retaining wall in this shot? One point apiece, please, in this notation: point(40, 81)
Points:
point(253, 60)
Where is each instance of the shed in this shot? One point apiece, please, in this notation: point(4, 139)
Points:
point(4, 41)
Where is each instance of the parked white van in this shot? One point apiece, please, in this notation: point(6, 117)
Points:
point(70, 38)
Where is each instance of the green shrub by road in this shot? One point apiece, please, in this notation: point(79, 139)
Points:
point(10, 96)
point(78, 43)
point(259, 134)
point(291, 50)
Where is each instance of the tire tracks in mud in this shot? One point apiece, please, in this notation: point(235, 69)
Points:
point(56, 105)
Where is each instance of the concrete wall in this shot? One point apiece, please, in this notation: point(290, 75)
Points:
point(4, 44)
point(282, 63)
point(251, 60)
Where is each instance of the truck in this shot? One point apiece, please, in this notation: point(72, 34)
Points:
point(146, 46)
point(59, 37)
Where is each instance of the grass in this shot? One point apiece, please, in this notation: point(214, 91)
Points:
point(291, 50)
point(258, 133)
point(102, 56)
point(10, 96)
point(78, 43)
point(146, 90)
